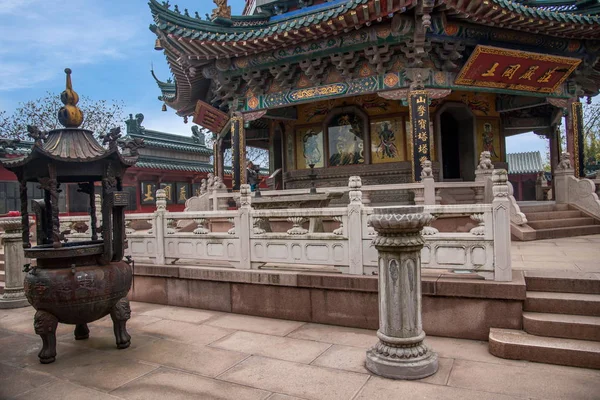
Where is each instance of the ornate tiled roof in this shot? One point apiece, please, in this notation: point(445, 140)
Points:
point(525, 163)
point(172, 142)
point(163, 140)
point(586, 7)
point(173, 165)
point(532, 16)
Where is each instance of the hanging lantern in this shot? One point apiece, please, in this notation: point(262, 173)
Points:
point(164, 107)
point(158, 45)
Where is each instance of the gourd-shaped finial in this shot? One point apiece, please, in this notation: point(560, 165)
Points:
point(70, 116)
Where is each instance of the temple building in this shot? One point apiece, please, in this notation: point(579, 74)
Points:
point(375, 87)
point(173, 162)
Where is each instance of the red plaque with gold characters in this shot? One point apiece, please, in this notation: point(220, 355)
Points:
point(494, 67)
point(210, 117)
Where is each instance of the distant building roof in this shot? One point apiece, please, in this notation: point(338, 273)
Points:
point(525, 163)
point(189, 144)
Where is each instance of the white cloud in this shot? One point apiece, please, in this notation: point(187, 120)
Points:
point(41, 38)
point(168, 122)
point(527, 142)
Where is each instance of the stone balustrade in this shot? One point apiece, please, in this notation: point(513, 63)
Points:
point(580, 193)
point(336, 238)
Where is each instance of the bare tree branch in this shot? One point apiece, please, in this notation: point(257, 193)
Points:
point(99, 116)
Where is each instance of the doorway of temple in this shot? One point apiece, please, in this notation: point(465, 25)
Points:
point(457, 141)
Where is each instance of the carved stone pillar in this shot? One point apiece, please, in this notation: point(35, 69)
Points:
point(14, 260)
point(400, 353)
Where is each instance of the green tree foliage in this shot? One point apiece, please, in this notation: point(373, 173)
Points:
point(99, 116)
point(591, 136)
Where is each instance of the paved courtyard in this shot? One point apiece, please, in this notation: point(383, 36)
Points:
point(577, 254)
point(180, 353)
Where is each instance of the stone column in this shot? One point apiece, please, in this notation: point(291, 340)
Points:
point(400, 353)
point(14, 260)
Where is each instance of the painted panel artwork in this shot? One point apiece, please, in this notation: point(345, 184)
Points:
point(310, 145)
point(488, 137)
point(346, 145)
point(387, 141)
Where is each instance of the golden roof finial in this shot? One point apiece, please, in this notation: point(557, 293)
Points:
point(70, 116)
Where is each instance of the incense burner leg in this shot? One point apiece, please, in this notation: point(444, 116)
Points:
point(82, 332)
point(45, 325)
point(120, 314)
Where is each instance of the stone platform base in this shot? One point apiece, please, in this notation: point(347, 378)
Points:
point(333, 299)
point(13, 303)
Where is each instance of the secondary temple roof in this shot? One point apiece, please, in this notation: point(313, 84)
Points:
point(220, 59)
point(525, 163)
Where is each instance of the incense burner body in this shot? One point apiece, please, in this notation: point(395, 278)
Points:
point(76, 289)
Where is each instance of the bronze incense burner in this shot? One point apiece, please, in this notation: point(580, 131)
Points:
point(75, 282)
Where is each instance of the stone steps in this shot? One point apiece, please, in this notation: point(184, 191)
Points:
point(543, 208)
point(562, 223)
point(519, 345)
point(563, 303)
point(581, 327)
point(551, 221)
point(562, 281)
point(551, 215)
point(554, 233)
point(561, 321)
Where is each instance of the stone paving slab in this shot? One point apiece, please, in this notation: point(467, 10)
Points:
point(282, 348)
point(301, 380)
point(222, 357)
point(515, 381)
point(202, 360)
point(248, 323)
point(65, 391)
point(166, 384)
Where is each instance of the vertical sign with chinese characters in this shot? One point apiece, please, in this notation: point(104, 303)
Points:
point(237, 127)
point(418, 103)
point(578, 157)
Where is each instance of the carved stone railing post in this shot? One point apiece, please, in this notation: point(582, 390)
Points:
point(14, 261)
point(428, 183)
point(159, 225)
point(419, 196)
point(354, 228)
point(400, 353)
point(483, 173)
point(562, 172)
point(244, 227)
point(501, 209)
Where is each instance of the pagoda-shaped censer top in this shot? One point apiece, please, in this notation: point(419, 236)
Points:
point(73, 155)
point(75, 282)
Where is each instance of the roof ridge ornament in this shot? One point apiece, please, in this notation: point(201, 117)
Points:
point(70, 116)
point(222, 10)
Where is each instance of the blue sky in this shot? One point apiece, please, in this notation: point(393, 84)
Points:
point(106, 43)
point(110, 49)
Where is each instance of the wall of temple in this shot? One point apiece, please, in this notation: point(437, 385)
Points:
point(371, 136)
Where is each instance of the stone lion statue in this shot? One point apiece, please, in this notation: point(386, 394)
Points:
point(485, 160)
